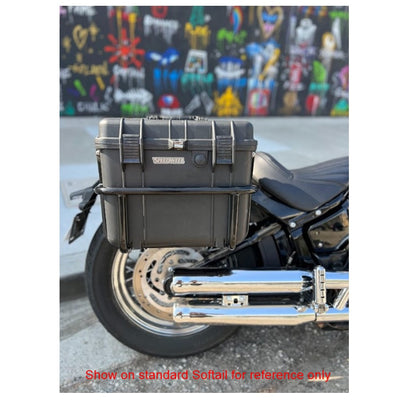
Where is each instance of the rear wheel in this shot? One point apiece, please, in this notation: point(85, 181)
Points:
point(126, 293)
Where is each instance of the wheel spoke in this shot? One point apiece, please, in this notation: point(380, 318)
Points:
point(137, 285)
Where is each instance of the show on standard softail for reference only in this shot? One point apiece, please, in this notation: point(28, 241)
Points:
point(202, 234)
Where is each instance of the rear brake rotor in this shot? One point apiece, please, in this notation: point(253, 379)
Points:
point(149, 275)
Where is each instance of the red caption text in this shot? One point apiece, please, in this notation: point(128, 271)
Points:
point(322, 376)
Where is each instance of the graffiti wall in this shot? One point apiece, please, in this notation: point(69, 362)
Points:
point(199, 60)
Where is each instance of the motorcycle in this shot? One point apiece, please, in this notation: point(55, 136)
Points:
point(291, 268)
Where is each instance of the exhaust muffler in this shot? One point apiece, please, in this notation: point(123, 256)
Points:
point(236, 286)
point(254, 282)
point(254, 315)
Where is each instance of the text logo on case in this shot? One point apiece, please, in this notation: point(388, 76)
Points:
point(168, 160)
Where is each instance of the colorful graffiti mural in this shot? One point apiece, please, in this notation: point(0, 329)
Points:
point(213, 61)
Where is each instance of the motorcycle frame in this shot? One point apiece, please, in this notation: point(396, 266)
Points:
point(282, 218)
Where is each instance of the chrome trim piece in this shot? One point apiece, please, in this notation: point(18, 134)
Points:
point(320, 305)
point(235, 301)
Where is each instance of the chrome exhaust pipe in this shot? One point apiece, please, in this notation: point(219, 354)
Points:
point(337, 280)
point(254, 315)
point(254, 282)
point(236, 286)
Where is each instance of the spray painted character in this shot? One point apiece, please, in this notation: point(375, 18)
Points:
point(262, 80)
point(228, 104)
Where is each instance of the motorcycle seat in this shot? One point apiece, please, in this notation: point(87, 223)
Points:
point(304, 189)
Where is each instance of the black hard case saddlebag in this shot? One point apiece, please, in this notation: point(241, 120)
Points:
point(175, 182)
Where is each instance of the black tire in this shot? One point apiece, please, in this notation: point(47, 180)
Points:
point(99, 264)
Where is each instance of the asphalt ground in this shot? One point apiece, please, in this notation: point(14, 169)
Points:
point(86, 346)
